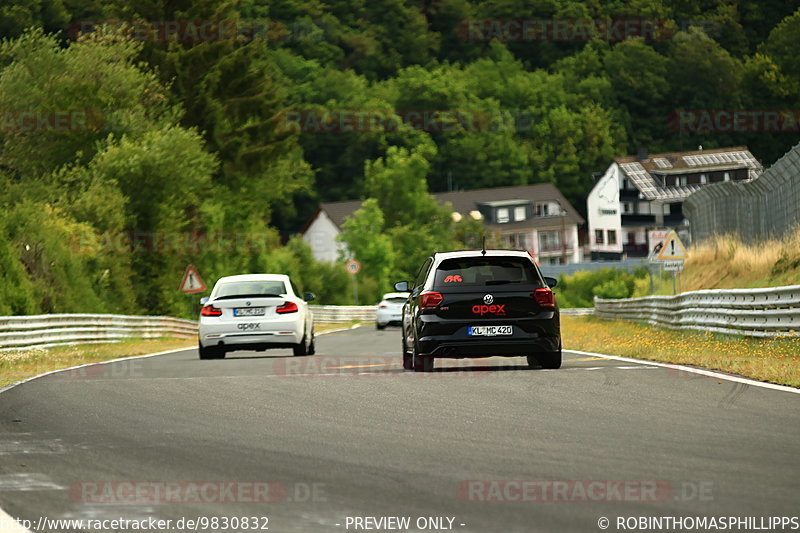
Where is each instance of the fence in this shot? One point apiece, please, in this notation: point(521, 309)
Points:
point(757, 210)
point(334, 314)
point(629, 264)
point(39, 331)
point(751, 312)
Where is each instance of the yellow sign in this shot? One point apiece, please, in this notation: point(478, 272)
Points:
point(672, 250)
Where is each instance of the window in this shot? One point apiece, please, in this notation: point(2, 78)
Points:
point(644, 208)
point(598, 236)
point(423, 273)
point(486, 271)
point(519, 213)
point(251, 288)
point(549, 241)
point(502, 215)
point(612, 236)
point(542, 210)
point(627, 208)
point(703, 178)
point(727, 176)
point(682, 181)
point(667, 209)
point(630, 237)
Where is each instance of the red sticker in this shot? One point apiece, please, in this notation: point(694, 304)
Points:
point(453, 279)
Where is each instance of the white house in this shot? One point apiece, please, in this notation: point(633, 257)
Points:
point(528, 217)
point(643, 192)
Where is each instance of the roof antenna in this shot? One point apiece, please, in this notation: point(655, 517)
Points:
point(483, 246)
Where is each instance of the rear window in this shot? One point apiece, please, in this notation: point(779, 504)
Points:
point(396, 300)
point(486, 271)
point(251, 288)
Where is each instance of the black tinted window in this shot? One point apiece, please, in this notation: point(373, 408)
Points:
point(486, 271)
point(422, 274)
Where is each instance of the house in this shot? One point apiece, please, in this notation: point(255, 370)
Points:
point(643, 192)
point(527, 217)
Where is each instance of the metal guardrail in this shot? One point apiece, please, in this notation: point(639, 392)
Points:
point(752, 312)
point(40, 331)
point(334, 314)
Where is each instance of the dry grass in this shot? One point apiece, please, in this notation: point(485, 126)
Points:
point(22, 364)
point(725, 262)
point(773, 360)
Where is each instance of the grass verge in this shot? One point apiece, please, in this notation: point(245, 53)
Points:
point(22, 364)
point(773, 360)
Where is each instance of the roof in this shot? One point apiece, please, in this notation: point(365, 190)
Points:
point(479, 253)
point(254, 277)
point(465, 201)
point(643, 172)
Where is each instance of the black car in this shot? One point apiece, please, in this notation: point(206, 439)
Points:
point(480, 304)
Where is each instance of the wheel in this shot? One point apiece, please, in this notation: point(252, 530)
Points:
point(379, 327)
point(312, 348)
point(549, 360)
point(210, 352)
point(407, 358)
point(302, 348)
point(420, 363)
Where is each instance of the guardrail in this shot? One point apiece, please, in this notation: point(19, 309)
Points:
point(334, 314)
point(40, 331)
point(752, 312)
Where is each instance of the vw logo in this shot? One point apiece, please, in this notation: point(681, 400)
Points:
point(488, 299)
point(248, 304)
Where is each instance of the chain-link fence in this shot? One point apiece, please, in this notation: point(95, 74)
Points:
point(764, 208)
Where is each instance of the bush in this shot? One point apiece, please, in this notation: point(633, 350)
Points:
point(580, 288)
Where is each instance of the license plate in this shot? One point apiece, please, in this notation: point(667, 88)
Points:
point(249, 311)
point(490, 331)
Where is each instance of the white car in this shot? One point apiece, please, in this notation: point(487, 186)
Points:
point(255, 312)
point(390, 309)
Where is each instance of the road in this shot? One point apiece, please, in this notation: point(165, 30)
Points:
point(348, 433)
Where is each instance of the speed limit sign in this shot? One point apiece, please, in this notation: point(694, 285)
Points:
point(353, 266)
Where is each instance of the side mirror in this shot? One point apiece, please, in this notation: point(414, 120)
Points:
point(204, 300)
point(309, 297)
point(402, 286)
point(551, 282)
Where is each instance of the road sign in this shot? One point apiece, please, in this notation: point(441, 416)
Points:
point(656, 239)
point(672, 250)
point(192, 282)
point(353, 266)
point(673, 266)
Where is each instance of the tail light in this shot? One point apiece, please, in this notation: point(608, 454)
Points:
point(288, 307)
point(430, 300)
point(210, 310)
point(382, 306)
point(545, 298)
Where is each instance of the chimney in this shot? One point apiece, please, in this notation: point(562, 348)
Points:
point(642, 154)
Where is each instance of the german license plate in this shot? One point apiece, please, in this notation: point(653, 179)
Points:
point(490, 331)
point(249, 311)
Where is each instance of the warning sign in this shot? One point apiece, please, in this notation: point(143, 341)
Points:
point(192, 282)
point(672, 250)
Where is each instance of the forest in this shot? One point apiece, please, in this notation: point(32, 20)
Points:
point(140, 137)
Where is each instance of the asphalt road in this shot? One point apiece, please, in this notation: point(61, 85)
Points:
point(348, 433)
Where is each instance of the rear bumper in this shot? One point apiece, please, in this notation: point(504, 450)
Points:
point(448, 338)
point(268, 335)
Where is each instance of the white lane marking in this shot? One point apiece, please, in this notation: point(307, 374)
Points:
point(111, 512)
point(27, 482)
point(38, 446)
point(693, 370)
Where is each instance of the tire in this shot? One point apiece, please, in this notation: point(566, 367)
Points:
point(408, 361)
point(420, 363)
point(312, 348)
point(302, 348)
point(379, 327)
point(210, 352)
point(548, 360)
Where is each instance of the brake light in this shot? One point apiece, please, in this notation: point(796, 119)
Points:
point(545, 298)
point(383, 306)
point(288, 307)
point(210, 310)
point(430, 300)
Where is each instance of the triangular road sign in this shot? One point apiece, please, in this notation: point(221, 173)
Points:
point(192, 282)
point(673, 249)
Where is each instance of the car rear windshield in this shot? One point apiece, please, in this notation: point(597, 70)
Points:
point(396, 300)
point(486, 271)
point(251, 288)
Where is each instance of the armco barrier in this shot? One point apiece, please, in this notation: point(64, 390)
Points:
point(334, 314)
point(37, 331)
point(752, 312)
